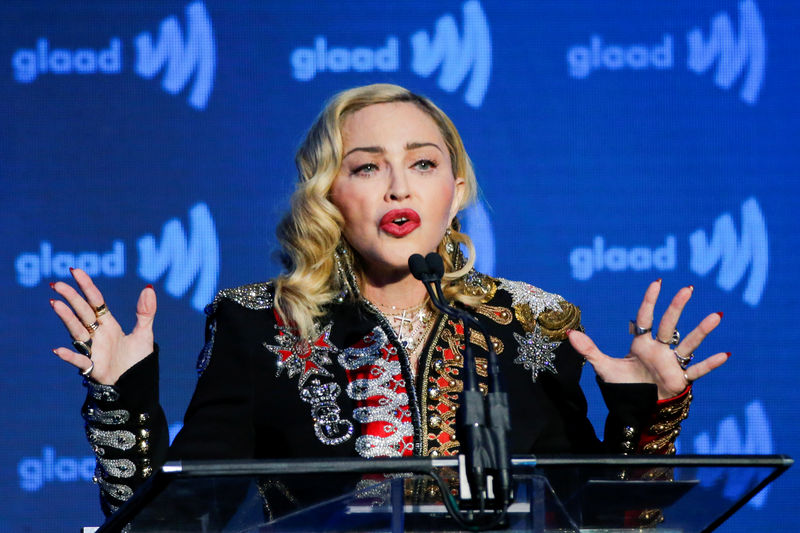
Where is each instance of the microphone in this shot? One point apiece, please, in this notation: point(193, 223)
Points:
point(486, 448)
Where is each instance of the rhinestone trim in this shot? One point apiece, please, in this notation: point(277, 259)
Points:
point(120, 439)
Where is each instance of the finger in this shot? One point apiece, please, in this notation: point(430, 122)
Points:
point(80, 307)
point(81, 362)
point(698, 370)
point(93, 295)
point(673, 313)
point(644, 318)
point(73, 324)
point(145, 309)
point(693, 340)
point(585, 346)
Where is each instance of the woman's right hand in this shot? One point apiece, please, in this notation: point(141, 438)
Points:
point(112, 351)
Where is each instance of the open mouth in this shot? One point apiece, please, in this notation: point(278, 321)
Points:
point(400, 222)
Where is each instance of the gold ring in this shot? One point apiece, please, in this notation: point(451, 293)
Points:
point(92, 327)
point(100, 310)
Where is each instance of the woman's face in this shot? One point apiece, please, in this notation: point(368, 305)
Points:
point(396, 188)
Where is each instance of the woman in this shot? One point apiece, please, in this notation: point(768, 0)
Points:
point(343, 355)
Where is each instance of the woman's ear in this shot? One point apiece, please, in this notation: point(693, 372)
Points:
point(458, 196)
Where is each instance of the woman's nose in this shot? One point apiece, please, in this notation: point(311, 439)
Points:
point(399, 186)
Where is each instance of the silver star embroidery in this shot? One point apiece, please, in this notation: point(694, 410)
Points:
point(536, 353)
point(301, 356)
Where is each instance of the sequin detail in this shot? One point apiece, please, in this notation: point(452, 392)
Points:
point(256, 296)
point(116, 491)
point(204, 358)
point(121, 440)
point(301, 357)
point(537, 299)
point(536, 353)
point(376, 384)
point(98, 391)
point(329, 427)
point(121, 468)
point(109, 418)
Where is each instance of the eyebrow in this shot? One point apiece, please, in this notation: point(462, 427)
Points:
point(380, 150)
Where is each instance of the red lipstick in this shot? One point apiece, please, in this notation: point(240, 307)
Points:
point(400, 222)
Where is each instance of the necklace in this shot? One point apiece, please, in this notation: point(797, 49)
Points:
point(411, 324)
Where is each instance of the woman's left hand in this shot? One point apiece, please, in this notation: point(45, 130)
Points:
point(653, 359)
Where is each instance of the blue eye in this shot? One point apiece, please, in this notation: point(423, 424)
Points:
point(365, 169)
point(425, 164)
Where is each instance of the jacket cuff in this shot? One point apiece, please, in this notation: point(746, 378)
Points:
point(665, 425)
point(630, 408)
point(119, 420)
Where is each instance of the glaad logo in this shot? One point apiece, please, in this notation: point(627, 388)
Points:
point(193, 58)
point(734, 255)
point(459, 57)
point(31, 267)
point(196, 56)
point(757, 439)
point(731, 54)
point(585, 261)
point(34, 472)
point(182, 260)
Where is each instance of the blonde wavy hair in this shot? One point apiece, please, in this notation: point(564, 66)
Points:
point(312, 230)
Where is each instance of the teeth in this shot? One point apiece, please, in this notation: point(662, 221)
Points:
point(400, 220)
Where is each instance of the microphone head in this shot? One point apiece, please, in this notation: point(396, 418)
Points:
point(435, 264)
point(418, 266)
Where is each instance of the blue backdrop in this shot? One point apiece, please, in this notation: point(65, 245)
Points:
point(615, 142)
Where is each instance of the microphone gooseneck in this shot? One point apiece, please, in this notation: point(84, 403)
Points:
point(486, 445)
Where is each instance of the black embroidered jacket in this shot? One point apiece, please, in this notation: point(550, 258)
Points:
point(348, 390)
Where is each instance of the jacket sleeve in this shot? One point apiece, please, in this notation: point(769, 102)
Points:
point(127, 430)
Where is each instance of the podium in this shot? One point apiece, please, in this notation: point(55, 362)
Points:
point(552, 493)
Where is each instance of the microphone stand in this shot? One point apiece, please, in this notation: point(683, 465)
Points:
point(486, 448)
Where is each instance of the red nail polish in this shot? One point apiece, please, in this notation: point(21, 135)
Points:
point(149, 286)
point(52, 302)
point(691, 288)
point(71, 269)
point(720, 313)
point(52, 285)
point(54, 351)
point(568, 332)
point(658, 280)
point(728, 354)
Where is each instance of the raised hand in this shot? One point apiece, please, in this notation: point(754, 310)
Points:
point(652, 359)
point(106, 352)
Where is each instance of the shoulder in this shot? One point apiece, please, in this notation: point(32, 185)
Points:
point(532, 307)
point(253, 296)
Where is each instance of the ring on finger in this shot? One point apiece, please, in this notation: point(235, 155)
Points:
point(88, 372)
point(100, 310)
point(635, 330)
point(83, 347)
point(686, 377)
point(683, 361)
point(676, 338)
point(92, 327)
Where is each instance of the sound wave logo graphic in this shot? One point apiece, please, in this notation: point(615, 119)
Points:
point(734, 254)
point(457, 55)
point(732, 55)
point(184, 260)
point(757, 439)
point(183, 59)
